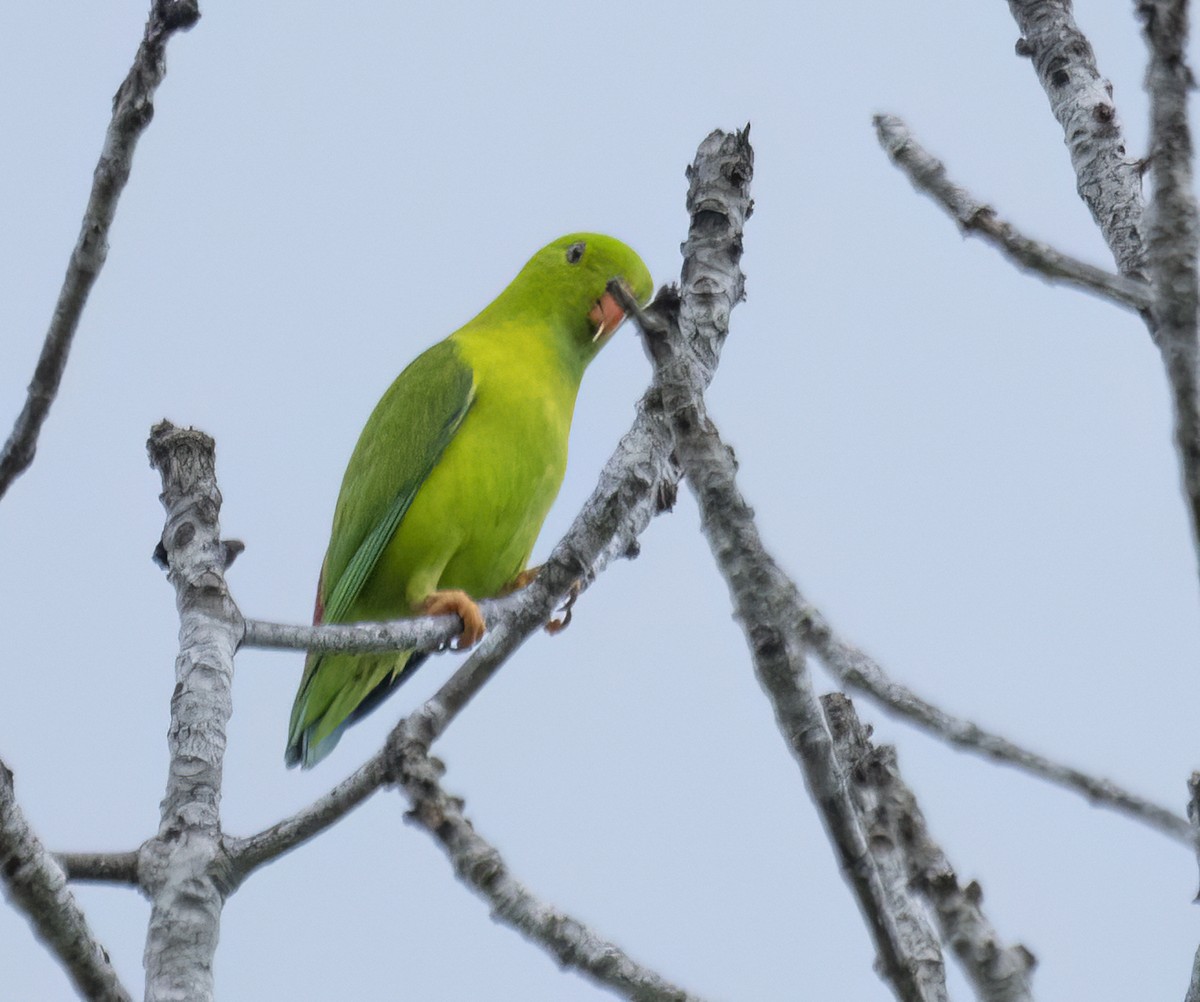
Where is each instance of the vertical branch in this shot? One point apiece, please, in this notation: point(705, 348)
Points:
point(479, 865)
point(1174, 231)
point(132, 110)
point(184, 869)
point(37, 886)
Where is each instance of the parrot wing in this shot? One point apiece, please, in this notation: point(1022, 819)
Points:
point(400, 445)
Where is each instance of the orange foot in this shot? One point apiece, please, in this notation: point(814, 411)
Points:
point(460, 604)
point(521, 580)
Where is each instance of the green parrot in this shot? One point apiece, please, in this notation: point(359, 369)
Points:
point(455, 472)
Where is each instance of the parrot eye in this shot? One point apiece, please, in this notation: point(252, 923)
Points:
point(575, 252)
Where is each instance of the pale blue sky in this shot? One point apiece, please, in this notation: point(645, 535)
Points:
point(970, 472)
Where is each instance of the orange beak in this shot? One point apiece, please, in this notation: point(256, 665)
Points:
point(606, 316)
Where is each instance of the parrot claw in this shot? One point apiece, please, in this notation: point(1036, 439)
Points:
point(556, 626)
point(460, 604)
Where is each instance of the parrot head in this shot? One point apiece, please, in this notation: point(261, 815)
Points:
point(567, 280)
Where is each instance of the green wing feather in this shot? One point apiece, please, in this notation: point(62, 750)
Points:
point(400, 445)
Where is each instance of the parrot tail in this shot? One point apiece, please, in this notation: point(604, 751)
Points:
point(339, 690)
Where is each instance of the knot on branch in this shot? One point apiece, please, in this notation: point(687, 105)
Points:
point(174, 15)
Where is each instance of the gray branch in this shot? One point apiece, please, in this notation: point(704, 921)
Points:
point(858, 670)
point(899, 839)
point(928, 174)
point(100, 867)
point(1107, 178)
point(683, 353)
point(247, 854)
point(1193, 992)
point(36, 885)
point(183, 869)
point(1174, 231)
point(763, 607)
point(422, 633)
point(479, 865)
point(132, 110)
point(1110, 183)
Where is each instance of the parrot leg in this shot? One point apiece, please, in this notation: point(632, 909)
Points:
point(460, 604)
point(521, 580)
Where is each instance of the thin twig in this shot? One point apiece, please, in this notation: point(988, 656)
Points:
point(247, 854)
point(858, 670)
point(1107, 178)
point(1193, 815)
point(480, 866)
point(899, 838)
point(132, 110)
point(928, 174)
point(36, 885)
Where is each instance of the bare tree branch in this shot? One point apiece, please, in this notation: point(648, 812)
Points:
point(1193, 815)
point(184, 869)
point(762, 605)
point(420, 633)
point(858, 670)
point(1107, 179)
point(899, 839)
point(1174, 232)
point(1193, 992)
point(480, 866)
point(885, 841)
point(928, 174)
point(132, 110)
point(36, 885)
point(683, 354)
point(247, 854)
point(100, 867)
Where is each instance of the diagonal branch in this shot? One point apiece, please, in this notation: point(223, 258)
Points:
point(480, 866)
point(899, 839)
point(37, 886)
point(1107, 178)
point(928, 174)
point(132, 110)
point(858, 670)
point(908, 960)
